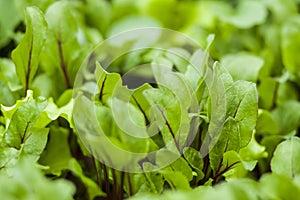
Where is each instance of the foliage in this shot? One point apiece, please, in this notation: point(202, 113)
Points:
point(256, 154)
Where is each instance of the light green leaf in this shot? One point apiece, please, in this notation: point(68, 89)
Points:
point(128, 118)
point(235, 189)
point(166, 115)
point(26, 55)
point(195, 160)
point(183, 13)
point(42, 85)
point(98, 11)
point(22, 121)
point(8, 158)
point(16, 185)
point(286, 158)
point(229, 139)
point(274, 186)
point(35, 143)
point(63, 53)
point(108, 83)
point(290, 44)
point(270, 142)
point(131, 22)
point(246, 15)
point(266, 123)
point(60, 18)
point(238, 128)
point(252, 152)
point(40, 4)
point(50, 113)
point(8, 74)
point(286, 91)
point(173, 163)
point(57, 153)
point(242, 106)
point(266, 91)
point(287, 116)
point(138, 98)
point(242, 66)
point(7, 11)
point(8, 112)
point(237, 170)
point(176, 180)
point(154, 180)
point(6, 97)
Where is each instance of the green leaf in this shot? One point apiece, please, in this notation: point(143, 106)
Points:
point(40, 4)
point(57, 157)
point(270, 142)
point(108, 83)
point(252, 152)
point(182, 12)
point(57, 153)
point(16, 185)
point(286, 158)
point(8, 158)
point(63, 53)
point(104, 141)
point(139, 99)
point(177, 171)
point(98, 11)
point(195, 160)
point(92, 187)
point(131, 22)
point(153, 179)
point(164, 112)
point(242, 106)
point(237, 170)
point(230, 139)
point(128, 118)
point(235, 189)
point(246, 15)
point(129, 126)
point(267, 92)
point(242, 188)
point(7, 11)
point(175, 82)
point(266, 123)
point(242, 66)
point(8, 112)
point(242, 114)
point(6, 97)
point(8, 74)
point(274, 186)
point(59, 17)
point(286, 91)
point(35, 143)
point(26, 55)
point(290, 43)
point(42, 85)
point(50, 113)
point(287, 116)
point(22, 122)
point(176, 180)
